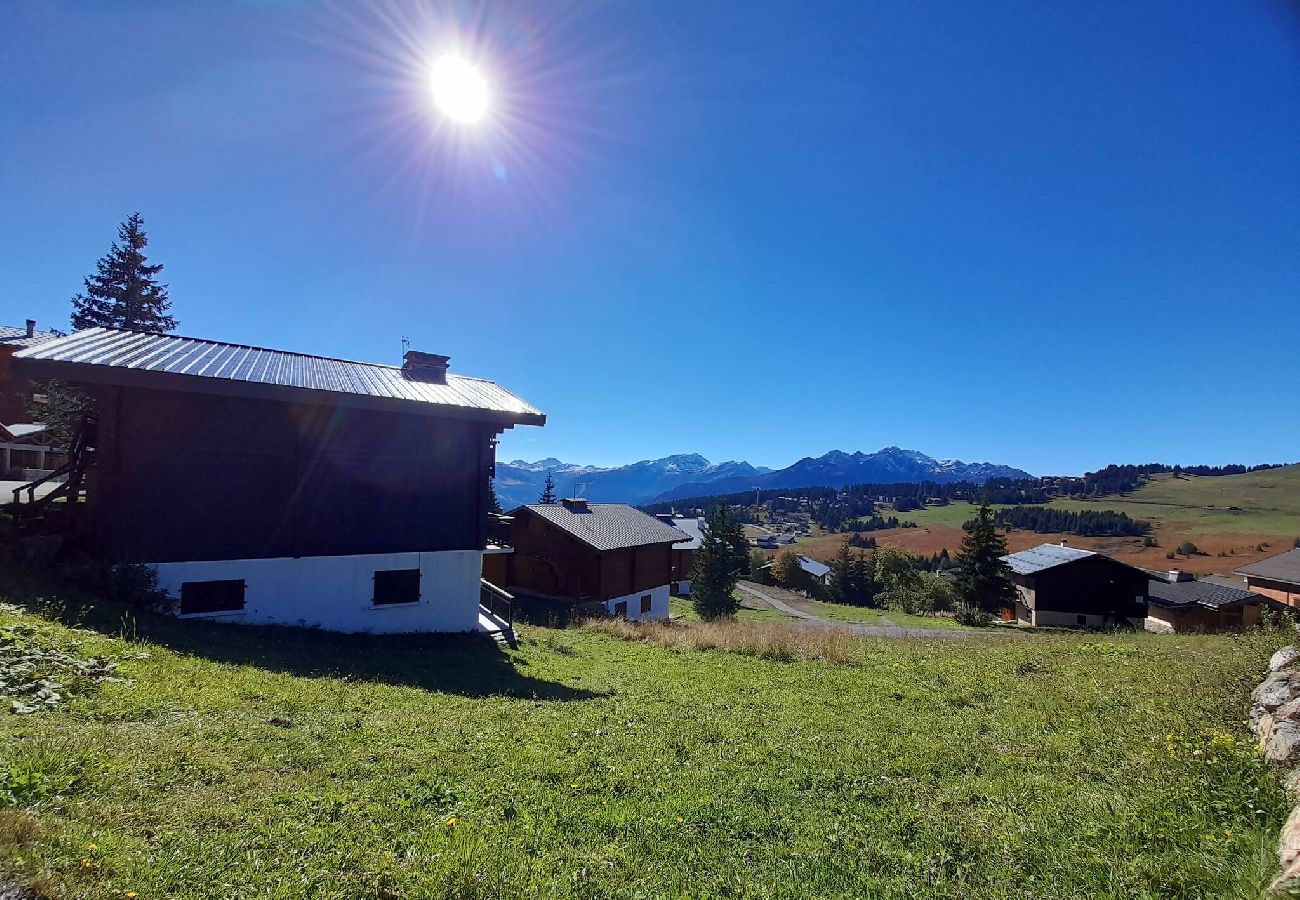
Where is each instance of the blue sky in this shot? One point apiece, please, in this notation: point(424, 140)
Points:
point(1050, 235)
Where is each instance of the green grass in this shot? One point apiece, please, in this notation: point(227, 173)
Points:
point(682, 607)
point(240, 762)
point(1268, 504)
point(862, 615)
point(1268, 501)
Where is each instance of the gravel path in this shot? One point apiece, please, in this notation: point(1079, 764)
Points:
point(888, 630)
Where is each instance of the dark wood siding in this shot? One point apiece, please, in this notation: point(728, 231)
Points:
point(551, 562)
point(193, 477)
point(1095, 586)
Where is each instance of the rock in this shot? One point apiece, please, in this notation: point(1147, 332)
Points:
point(1283, 744)
point(1283, 658)
point(1275, 690)
point(1292, 783)
point(1264, 728)
point(1257, 714)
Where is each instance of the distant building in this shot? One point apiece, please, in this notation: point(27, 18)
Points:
point(27, 450)
point(1277, 577)
point(684, 554)
point(1063, 586)
point(16, 389)
point(606, 555)
point(817, 572)
point(1177, 602)
point(272, 487)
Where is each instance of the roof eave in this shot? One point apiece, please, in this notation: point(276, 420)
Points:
point(113, 376)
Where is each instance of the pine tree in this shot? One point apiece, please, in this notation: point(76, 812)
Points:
point(722, 558)
point(125, 291)
point(494, 505)
point(983, 579)
point(548, 492)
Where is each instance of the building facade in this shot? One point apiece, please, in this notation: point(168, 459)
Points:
point(1061, 586)
point(280, 488)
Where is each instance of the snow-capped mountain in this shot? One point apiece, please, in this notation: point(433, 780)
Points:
point(691, 475)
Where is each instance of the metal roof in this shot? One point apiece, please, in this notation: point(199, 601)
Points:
point(1044, 556)
point(13, 336)
point(1283, 567)
point(693, 527)
point(1190, 593)
point(813, 567)
point(609, 526)
point(169, 361)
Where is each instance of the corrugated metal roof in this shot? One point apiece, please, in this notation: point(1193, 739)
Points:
point(609, 526)
point(106, 352)
point(693, 527)
point(1188, 593)
point(813, 567)
point(13, 336)
point(1044, 556)
point(1283, 567)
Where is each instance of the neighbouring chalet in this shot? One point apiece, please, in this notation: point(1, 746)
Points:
point(1178, 602)
point(1277, 577)
point(27, 450)
point(266, 486)
point(684, 554)
point(606, 555)
point(1064, 586)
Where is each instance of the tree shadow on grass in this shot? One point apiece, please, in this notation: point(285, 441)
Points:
point(469, 665)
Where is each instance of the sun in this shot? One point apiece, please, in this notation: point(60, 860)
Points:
point(459, 89)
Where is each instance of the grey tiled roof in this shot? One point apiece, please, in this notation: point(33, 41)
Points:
point(609, 526)
point(12, 336)
point(113, 356)
point(1283, 567)
point(1188, 593)
point(1044, 556)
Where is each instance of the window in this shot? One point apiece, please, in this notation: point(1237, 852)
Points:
point(1082, 620)
point(397, 586)
point(645, 604)
point(211, 596)
point(620, 609)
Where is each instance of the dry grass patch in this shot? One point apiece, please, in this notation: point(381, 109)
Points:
point(767, 640)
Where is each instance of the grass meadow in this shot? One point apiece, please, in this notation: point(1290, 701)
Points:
point(218, 761)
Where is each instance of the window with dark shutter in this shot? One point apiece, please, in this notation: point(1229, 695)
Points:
point(397, 586)
point(646, 603)
point(212, 596)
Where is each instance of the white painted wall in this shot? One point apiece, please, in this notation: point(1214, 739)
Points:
point(682, 588)
point(1046, 618)
point(658, 603)
point(335, 592)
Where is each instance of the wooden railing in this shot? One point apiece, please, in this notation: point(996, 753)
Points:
point(496, 601)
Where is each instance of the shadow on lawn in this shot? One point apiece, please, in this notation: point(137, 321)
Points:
point(469, 665)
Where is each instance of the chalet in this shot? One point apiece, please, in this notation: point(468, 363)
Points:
point(1277, 577)
point(684, 554)
point(1178, 602)
point(266, 486)
point(595, 555)
point(1064, 586)
point(27, 449)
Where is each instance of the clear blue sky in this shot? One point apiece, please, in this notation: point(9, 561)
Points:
point(1054, 235)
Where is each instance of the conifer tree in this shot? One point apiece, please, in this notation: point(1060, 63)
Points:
point(722, 558)
point(548, 492)
point(125, 291)
point(983, 579)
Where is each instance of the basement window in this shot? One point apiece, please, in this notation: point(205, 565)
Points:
point(646, 603)
point(1082, 620)
point(198, 597)
point(394, 586)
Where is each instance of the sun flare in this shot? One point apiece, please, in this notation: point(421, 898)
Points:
point(459, 89)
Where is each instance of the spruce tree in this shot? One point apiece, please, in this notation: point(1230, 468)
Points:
point(722, 558)
point(125, 291)
point(983, 579)
point(548, 492)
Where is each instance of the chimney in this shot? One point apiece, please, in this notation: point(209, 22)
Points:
point(574, 505)
point(428, 367)
point(1064, 543)
point(31, 328)
point(1177, 575)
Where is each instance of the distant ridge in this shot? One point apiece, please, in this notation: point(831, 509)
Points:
point(691, 475)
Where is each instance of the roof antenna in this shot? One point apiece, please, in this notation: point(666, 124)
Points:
point(406, 345)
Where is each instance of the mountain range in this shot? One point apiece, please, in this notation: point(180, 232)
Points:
point(691, 475)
